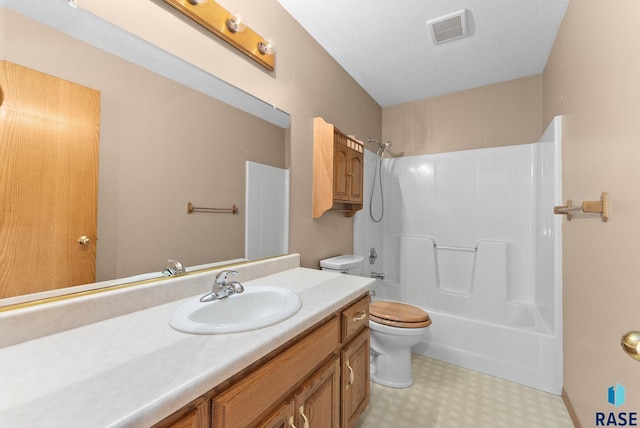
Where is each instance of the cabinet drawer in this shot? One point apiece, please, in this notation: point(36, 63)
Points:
point(355, 317)
point(250, 398)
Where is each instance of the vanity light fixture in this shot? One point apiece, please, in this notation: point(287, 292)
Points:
point(231, 28)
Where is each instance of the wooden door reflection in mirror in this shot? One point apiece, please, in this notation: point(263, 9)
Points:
point(48, 181)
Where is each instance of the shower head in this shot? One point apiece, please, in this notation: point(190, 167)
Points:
point(382, 146)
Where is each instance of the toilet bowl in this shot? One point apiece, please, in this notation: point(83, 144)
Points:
point(395, 327)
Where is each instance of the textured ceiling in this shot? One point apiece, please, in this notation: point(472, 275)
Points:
point(386, 46)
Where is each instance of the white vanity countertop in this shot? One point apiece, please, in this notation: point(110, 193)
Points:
point(134, 370)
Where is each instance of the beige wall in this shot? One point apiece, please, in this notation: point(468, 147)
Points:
point(495, 115)
point(593, 78)
point(307, 82)
point(162, 145)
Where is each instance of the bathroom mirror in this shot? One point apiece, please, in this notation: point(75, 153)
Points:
point(165, 140)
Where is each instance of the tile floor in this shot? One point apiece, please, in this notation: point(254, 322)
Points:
point(447, 396)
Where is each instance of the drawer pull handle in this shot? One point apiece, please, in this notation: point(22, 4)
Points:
point(351, 375)
point(362, 315)
point(291, 422)
point(306, 420)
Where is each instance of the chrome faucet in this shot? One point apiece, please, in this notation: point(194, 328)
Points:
point(221, 288)
point(177, 269)
point(377, 275)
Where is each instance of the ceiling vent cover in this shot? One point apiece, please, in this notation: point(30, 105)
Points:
point(448, 27)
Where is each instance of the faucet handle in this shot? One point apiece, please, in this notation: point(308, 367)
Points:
point(221, 277)
point(237, 287)
point(177, 269)
point(178, 266)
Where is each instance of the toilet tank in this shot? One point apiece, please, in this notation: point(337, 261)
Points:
point(346, 263)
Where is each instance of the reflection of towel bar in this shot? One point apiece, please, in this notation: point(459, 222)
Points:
point(601, 207)
point(191, 209)
point(446, 247)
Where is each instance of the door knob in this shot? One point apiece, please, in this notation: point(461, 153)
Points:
point(630, 343)
point(84, 240)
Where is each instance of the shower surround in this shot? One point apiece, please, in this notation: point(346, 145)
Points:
point(471, 237)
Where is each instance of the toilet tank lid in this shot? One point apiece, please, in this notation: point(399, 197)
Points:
point(346, 261)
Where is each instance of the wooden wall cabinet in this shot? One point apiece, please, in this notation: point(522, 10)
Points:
point(320, 380)
point(338, 170)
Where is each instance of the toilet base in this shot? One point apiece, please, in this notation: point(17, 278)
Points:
point(392, 370)
point(391, 384)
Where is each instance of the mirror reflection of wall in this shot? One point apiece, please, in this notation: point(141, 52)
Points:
point(162, 145)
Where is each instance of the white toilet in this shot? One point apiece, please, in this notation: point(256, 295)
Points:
point(395, 328)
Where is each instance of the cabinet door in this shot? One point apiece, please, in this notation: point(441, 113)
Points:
point(356, 169)
point(341, 167)
point(282, 417)
point(355, 378)
point(318, 402)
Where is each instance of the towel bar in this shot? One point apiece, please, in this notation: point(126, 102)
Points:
point(191, 209)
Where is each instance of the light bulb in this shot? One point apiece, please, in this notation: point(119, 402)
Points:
point(267, 47)
point(236, 23)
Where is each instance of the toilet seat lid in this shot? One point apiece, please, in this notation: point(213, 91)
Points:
point(398, 314)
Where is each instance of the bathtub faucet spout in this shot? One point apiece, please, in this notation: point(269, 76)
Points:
point(377, 275)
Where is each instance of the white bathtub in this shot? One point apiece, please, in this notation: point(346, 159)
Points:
point(471, 237)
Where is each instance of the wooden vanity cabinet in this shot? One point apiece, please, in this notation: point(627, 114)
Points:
point(283, 417)
point(247, 401)
point(354, 357)
point(197, 414)
point(355, 375)
point(321, 379)
point(338, 170)
point(316, 404)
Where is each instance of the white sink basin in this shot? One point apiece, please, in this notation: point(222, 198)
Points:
point(256, 307)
